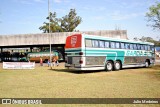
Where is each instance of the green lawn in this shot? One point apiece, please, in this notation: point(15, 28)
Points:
point(60, 83)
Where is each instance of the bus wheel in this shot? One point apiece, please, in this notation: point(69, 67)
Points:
point(117, 66)
point(146, 64)
point(109, 66)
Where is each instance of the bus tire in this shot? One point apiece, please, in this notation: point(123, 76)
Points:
point(146, 63)
point(117, 65)
point(109, 66)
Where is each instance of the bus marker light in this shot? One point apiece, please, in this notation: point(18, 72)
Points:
point(80, 53)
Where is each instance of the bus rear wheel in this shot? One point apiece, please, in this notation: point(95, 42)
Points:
point(117, 66)
point(109, 66)
point(146, 64)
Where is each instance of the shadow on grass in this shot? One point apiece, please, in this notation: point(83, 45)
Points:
point(89, 71)
point(156, 67)
point(138, 68)
point(77, 71)
point(98, 71)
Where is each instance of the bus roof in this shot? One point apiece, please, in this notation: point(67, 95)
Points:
point(114, 39)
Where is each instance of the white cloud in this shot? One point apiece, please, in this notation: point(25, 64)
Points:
point(25, 1)
point(60, 1)
point(99, 18)
point(29, 1)
point(57, 1)
point(92, 8)
point(61, 11)
point(39, 1)
point(117, 15)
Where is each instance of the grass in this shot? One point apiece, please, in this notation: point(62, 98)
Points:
point(61, 83)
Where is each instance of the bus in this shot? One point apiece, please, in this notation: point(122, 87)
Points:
point(89, 52)
point(45, 55)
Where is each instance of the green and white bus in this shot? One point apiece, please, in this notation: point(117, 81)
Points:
point(89, 52)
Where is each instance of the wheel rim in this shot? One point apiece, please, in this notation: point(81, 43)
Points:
point(109, 66)
point(146, 64)
point(117, 65)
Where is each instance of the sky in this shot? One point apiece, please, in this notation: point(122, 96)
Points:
point(26, 16)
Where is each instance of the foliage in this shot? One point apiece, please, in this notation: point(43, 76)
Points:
point(154, 16)
point(148, 39)
point(68, 23)
point(54, 24)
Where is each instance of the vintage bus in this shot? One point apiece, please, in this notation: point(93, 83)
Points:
point(35, 56)
point(89, 52)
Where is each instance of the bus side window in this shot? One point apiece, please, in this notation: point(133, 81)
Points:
point(146, 47)
point(149, 48)
point(88, 43)
point(122, 46)
point(152, 48)
point(101, 44)
point(127, 46)
point(117, 45)
point(131, 46)
point(138, 46)
point(142, 47)
point(113, 45)
point(135, 46)
point(95, 43)
point(106, 44)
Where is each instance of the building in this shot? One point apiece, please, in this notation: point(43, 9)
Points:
point(30, 42)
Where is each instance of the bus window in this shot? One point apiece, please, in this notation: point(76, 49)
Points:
point(146, 47)
point(101, 44)
point(138, 46)
point(95, 43)
point(88, 43)
point(113, 45)
point(117, 45)
point(106, 44)
point(122, 46)
point(127, 46)
point(152, 48)
point(149, 48)
point(142, 47)
point(135, 46)
point(131, 46)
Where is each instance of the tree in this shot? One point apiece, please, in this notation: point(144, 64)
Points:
point(154, 16)
point(148, 39)
point(54, 24)
point(68, 23)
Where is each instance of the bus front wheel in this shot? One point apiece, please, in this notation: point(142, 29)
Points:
point(117, 66)
point(109, 66)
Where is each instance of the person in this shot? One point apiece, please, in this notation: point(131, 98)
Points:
point(56, 57)
point(54, 61)
point(41, 62)
point(48, 62)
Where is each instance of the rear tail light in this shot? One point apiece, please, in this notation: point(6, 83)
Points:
point(80, 53)
point(81, 61)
